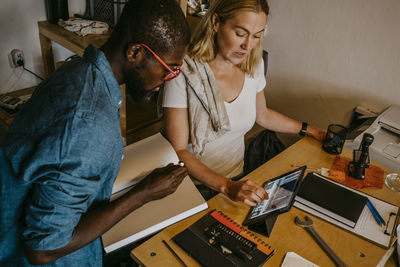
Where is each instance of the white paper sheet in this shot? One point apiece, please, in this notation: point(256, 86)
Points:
point(294, 260)
point(141, 158)
point(398, 243)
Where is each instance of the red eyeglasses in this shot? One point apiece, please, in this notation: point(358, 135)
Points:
point(173, 73)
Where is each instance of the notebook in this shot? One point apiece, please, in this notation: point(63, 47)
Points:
point(366, 226)
point(334, 200)
point(216, 240)
point(139, 160)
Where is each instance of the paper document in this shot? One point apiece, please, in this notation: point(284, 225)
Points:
point(139, 160)
point(398, 244)
point(294, 260)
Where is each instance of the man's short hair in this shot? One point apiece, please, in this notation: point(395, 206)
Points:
point(160, 24)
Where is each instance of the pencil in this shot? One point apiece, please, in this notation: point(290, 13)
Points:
point(173, 252)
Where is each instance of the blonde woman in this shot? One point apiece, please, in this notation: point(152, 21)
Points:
point(220, 95)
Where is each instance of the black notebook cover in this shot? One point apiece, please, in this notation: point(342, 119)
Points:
point(332, 197)
point(195, 241)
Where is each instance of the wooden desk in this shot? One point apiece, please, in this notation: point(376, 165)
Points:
point(286, 236)
point(144, 120)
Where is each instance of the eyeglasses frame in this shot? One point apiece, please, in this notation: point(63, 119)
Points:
point(172, 72)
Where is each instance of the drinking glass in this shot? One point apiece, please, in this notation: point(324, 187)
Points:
point(392, 180)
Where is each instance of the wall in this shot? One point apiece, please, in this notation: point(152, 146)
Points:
point(326, 57)
point(18, 27)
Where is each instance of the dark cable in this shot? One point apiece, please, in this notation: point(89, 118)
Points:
point(119, 2)
point(23, 66)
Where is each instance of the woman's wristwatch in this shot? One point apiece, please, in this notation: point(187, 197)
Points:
point(303, 130)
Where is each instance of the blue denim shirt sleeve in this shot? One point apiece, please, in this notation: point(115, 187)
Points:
point(66, 162)
point(65, 189)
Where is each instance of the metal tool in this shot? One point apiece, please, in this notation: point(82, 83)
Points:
point(309, 226)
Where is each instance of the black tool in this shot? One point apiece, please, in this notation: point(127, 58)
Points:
point(361, 158)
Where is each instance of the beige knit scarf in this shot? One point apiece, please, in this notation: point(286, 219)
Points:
point(208, 119)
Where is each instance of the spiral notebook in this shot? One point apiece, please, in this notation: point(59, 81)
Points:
point(216, 240)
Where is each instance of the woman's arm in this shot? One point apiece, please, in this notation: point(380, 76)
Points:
point(275, 121)
point(177, 130)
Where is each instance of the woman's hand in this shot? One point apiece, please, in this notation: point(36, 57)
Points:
point(245, 191)
point(316, 133)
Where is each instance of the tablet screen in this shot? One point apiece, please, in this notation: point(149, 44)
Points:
point(281, 192)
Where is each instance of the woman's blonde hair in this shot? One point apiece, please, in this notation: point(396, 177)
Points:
point(203, 45)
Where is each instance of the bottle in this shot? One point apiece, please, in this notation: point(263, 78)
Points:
point(57, 9)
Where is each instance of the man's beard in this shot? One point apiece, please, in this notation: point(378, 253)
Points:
point(135, 88)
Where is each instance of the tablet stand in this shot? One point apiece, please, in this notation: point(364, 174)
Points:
point(264, 228)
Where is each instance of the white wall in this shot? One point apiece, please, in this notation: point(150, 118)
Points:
point(18, 28)
point(326, 57)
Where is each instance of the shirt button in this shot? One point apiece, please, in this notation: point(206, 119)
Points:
point(119, 103)
point(122, 157)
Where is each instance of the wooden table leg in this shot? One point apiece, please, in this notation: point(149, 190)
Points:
point(47, 54)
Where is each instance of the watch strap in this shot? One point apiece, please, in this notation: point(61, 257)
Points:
point(303, 130)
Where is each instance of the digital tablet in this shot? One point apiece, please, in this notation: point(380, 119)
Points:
point(281, 191)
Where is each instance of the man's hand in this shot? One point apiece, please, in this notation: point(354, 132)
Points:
point(246, 191)
point(162, 182)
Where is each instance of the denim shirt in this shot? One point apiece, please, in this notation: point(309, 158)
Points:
point(60, 158)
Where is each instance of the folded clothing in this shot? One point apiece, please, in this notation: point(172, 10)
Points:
point(84, 27)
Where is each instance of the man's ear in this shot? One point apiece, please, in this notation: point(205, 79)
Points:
point(135, 53)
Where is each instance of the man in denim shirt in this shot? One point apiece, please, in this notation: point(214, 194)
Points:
point(62, 153)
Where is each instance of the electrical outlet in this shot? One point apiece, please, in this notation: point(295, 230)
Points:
point(16, 58)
